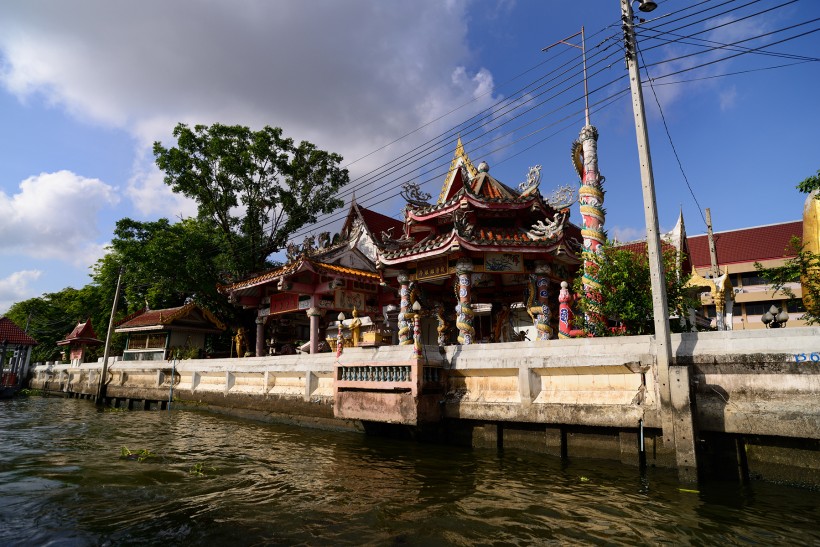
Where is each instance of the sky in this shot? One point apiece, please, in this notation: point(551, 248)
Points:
point(86, 88)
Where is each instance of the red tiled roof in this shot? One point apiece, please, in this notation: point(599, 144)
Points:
point(83, 332)
point(150, 318)
point(640, 248)
point(14, 335)
point(378, 223)
point(746, 244)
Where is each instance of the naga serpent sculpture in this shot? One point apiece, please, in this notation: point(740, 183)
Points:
point(539, 313)
point(464, 312)
point(591, 199)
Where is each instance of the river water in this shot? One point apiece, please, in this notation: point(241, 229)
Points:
point(215, 480)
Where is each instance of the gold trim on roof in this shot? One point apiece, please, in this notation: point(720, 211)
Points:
point(459, 158)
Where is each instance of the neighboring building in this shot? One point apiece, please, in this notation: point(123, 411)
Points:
point(737, 252)
point(296, 302)
point(15, 356)
point(80, 339)
point(152, 334)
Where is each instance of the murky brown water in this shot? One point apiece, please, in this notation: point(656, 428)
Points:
point(214, 480)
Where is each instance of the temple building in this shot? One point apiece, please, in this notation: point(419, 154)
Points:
point(15, 356)
point(158, 335)
point(79, 340)
point(296, 303)
point(485, 261)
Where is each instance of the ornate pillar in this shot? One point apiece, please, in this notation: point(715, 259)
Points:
point(464, 310)
point(260, 336)
point(405, 336)
point(591, 199)
point(542, 310)
point(313, 315)
point(565, 315)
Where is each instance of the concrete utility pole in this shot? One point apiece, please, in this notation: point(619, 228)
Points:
point(720, 317)
point(678, 431)
point(712, 250)
point(101, 387)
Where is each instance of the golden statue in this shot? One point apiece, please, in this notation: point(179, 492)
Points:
point(240, 342)
point(720, 289)
point(811, 242)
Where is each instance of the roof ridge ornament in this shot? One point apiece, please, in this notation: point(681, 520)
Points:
point(550, 229)
point(562, 197)
point(412, 194)
point(532, 182)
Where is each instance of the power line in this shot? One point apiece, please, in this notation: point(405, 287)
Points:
point(733, 73)
point(669, 135)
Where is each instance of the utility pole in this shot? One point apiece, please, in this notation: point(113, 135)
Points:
point(720, 317)
point(675, 401)
point(101, 387)
point(712, 250)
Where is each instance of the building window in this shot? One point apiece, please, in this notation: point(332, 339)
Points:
point(709, 311)
point(757, 308)
point(795, 306)
point(749, 279)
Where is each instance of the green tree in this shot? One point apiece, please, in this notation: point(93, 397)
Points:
point(255, 187)
point(625, 284)
point(164, 264)
point(810, 184)
point(52, 316)
point(804, 267)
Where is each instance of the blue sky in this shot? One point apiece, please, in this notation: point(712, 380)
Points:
point(87, 86)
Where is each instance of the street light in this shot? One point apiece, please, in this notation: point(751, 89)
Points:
point(775, 318)
point(647, 6)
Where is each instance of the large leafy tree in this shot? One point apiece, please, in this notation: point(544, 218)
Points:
point(52, 316)
point(255, 187)
point(164, 264)
point(625, 283)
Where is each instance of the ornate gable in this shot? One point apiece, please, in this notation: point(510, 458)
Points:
point(454, 180)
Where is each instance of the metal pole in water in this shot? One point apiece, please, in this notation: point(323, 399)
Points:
point(642, 446)
point(173, 375)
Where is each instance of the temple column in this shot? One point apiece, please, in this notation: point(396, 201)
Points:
point(542, 311)
point(565, 314)
point(313, 315)
point(591, 200)
point(405, 334)
point(464, 310)
point(260, 336)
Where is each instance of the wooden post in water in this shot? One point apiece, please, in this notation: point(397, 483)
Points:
point(101, 387)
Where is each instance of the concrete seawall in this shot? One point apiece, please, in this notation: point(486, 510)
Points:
point(750, 397)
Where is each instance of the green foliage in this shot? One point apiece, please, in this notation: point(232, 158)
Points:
point(255, 187)
point(199, 469)
point(140, 455)
point(626, 286)
point(164, 264)
point(810, 184)
point(54, 315)
point(805, 267)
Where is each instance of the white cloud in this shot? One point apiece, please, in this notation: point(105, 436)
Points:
point(626, 233)
point(55, 216)
point(16, 287)
point(348, 76)
point(728, 97)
